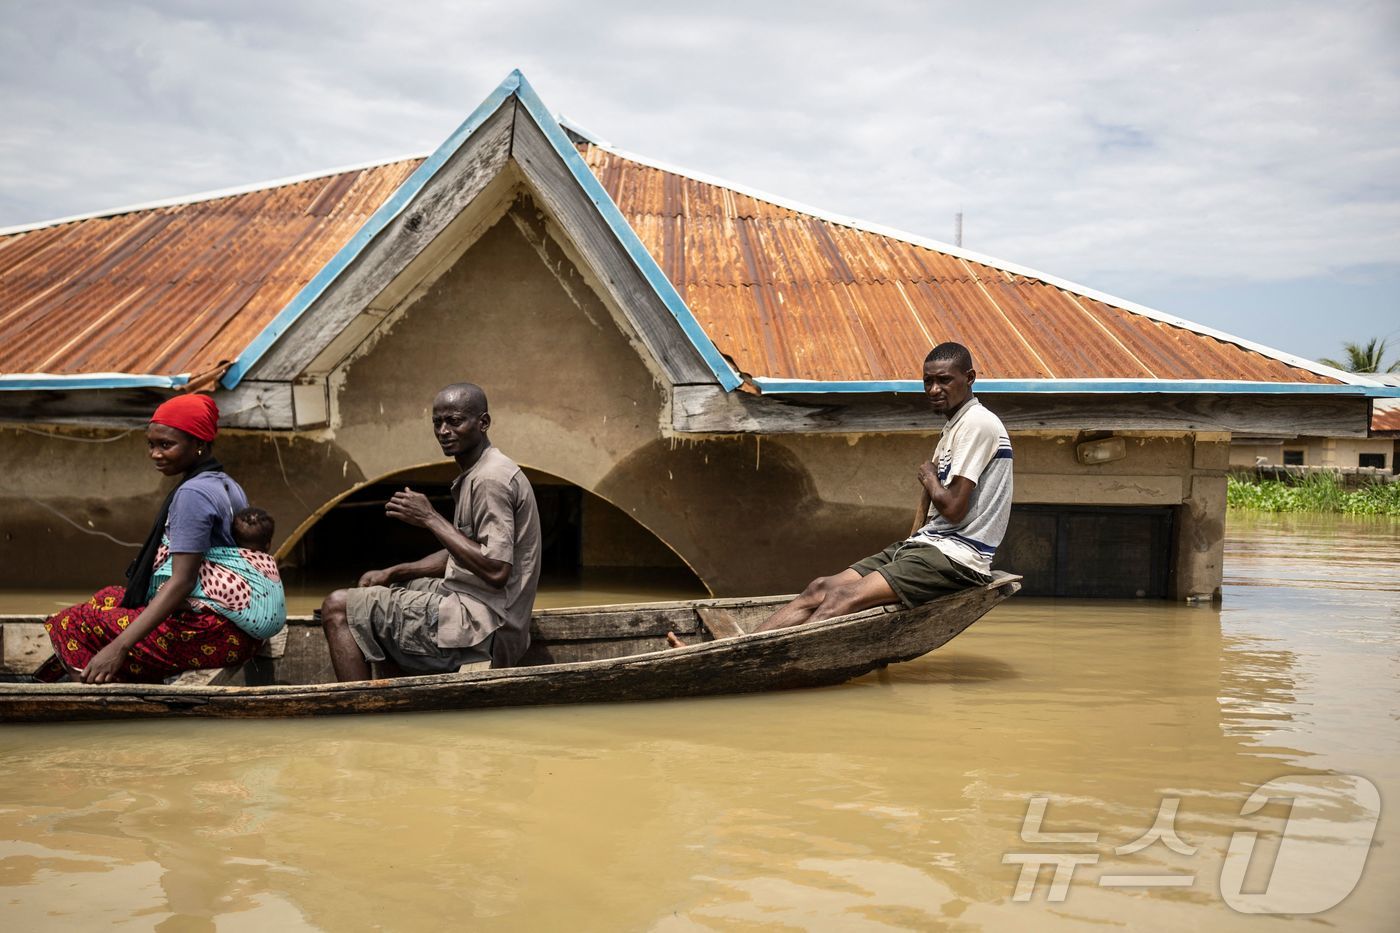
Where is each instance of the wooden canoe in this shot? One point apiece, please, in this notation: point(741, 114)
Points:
point(587, 655)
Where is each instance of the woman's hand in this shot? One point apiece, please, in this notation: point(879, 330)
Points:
point(105, 666)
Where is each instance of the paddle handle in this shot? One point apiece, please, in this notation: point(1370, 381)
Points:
point(921, 516)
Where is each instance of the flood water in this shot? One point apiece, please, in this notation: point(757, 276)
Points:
point(892, 802)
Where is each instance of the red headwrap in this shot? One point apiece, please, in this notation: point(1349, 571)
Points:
point(193, 414)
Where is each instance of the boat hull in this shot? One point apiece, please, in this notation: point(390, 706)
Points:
point(814, 655)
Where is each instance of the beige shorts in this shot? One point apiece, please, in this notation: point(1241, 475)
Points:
point(399, 624)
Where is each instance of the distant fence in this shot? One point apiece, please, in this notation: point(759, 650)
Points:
point(1349, 477)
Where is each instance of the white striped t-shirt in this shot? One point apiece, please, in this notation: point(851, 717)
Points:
point(973, 444)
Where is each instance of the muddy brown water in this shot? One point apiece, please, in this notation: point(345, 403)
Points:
point(899, 801)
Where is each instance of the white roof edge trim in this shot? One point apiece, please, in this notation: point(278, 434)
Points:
point(209, 195)
point(101, 375)
point(939, 246)
point(105, 380)
point(573, 127)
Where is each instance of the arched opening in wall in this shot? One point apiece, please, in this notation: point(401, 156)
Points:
point(594, 553)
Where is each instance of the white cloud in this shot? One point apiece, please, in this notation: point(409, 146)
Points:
point(1153, 144)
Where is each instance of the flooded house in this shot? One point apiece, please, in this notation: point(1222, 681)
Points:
point(1371, 456)
point(1385, 423)
point(699, 377)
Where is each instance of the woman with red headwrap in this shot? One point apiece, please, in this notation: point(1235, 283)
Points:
point(151, 628)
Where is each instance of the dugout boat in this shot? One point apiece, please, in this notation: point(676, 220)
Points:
point(585, 655)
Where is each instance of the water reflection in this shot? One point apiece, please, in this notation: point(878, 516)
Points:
point(887, 803)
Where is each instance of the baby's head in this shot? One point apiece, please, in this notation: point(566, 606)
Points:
point(252, 529)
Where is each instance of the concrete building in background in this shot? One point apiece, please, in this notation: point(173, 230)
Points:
point(1349, 454)
point(694, 373)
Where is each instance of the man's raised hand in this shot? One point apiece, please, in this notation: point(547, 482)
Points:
point(411, 508)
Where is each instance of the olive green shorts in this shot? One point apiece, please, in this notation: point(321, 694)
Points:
point(919, 572)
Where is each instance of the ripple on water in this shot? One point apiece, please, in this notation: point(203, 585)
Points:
point(888, 803)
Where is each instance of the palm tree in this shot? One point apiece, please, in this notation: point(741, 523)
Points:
point(1364, 358)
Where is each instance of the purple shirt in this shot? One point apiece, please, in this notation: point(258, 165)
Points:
point(201, 514)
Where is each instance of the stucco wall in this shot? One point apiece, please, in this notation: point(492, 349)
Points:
point(1340, 452)
point(112, 488)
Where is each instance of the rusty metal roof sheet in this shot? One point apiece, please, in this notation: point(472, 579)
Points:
point(178, 288)
point(1385, 417)
point(788, 294)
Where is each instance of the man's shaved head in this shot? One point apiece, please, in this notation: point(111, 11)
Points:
point(467, 395)
point(954, 353)
point(460, 422)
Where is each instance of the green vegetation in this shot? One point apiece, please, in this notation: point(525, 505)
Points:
point(1315, 492)
point(1368, 357)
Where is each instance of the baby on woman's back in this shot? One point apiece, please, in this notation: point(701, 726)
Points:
point(253, 529)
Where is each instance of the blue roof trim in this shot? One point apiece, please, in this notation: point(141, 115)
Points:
point(514, 85)
point(372, 227)
point(1083, 386)
point(665, 290)
point(22, 381)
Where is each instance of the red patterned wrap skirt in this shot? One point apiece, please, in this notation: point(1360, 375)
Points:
point(187, 640)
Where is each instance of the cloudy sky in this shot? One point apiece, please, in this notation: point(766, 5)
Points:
point(1237, 164)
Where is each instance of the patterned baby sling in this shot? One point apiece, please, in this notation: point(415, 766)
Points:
point(241, 585)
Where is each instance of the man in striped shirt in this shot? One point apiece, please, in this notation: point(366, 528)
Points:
point(962, 516)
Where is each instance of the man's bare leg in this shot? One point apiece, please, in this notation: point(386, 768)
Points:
point(346, 658)
point(798, 610)
point(825, 598)
point(815, 602)
point(869, 591)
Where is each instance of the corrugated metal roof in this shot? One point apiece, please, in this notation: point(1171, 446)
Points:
point(1385, 416)
point(178, 288)
point(184, 287)
point(789, 295)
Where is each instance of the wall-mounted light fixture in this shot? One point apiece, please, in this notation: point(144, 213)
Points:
point(1100, 450)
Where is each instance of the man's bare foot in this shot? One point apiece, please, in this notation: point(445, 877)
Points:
point(672, 641)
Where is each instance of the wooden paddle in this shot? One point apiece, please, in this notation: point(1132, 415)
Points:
point(921, 516)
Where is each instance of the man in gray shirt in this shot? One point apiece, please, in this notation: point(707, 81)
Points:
point(467, 603)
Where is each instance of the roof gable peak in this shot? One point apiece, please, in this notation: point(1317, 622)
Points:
point(548, 158)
